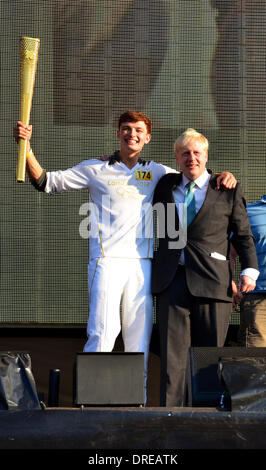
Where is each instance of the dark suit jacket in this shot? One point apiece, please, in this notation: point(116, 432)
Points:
point(222, 213)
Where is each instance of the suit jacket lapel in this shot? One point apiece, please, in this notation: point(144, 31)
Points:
point(177, 179)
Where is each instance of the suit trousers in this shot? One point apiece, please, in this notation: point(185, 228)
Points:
point(185, 320)
point(252, 329)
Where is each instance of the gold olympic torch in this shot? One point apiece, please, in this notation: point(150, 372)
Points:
point(29, 50)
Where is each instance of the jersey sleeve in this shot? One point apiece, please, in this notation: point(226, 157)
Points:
point(167, 169)
point(78, 177)
point(161, 170)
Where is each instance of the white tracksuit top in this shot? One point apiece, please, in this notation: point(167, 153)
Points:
point(119, 220)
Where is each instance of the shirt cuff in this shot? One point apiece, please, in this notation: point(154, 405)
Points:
point(251, 272)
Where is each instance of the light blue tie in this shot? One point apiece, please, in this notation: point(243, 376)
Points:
point(190, 202)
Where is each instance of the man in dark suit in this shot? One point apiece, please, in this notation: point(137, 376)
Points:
point(191, 272)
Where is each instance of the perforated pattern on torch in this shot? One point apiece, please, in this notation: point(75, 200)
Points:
point(29, 50)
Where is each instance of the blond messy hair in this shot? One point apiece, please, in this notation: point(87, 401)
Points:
point(188, 135)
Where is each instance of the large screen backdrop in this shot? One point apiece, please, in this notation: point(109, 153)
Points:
point(192, 63)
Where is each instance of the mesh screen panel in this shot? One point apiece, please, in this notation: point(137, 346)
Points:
point(184, 63)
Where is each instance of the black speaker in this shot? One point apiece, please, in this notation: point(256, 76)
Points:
point(104, 379)
point(204, 387)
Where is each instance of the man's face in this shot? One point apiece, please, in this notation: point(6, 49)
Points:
point(133, 136)
point(192, 159)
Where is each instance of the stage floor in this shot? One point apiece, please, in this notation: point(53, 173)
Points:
point(131, 429)
point(67, 435)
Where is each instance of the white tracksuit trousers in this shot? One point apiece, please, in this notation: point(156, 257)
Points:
point(115, 281)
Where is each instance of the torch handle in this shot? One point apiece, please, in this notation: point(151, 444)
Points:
point(21, 161)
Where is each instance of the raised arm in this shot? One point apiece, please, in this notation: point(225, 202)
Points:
point(33, 167)
point(51, 182)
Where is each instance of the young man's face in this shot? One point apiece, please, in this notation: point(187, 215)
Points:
point(192, 159)
point(133, 136)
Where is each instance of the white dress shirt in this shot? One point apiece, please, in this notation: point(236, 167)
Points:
point(199, 193)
